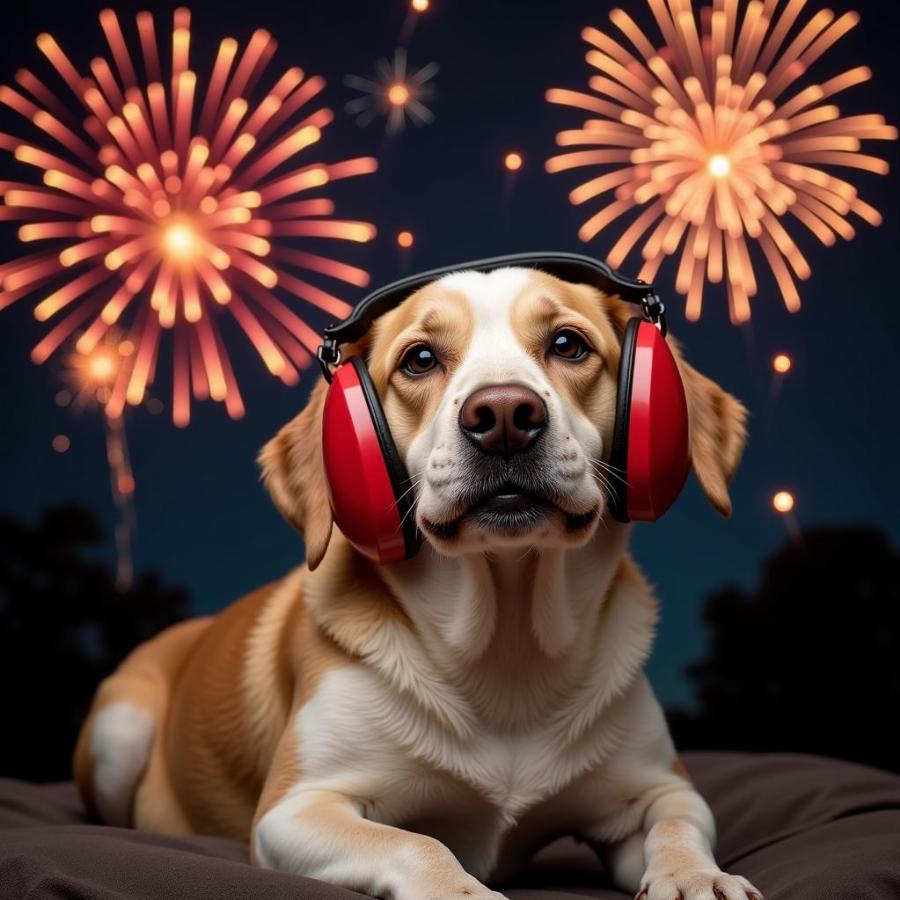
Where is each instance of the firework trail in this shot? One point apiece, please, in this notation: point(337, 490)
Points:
point(90, 378)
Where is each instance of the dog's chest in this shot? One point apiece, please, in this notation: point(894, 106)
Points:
point(485, 797)
point(359, 736)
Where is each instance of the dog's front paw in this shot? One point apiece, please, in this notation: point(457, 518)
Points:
point(448, 886)
point(432, 872)
point(696, 884)
point(469, 890)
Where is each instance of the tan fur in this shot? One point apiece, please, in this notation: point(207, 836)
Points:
point(294, 474)
point(679, 768)
point(146, 679)
point(224, 688)
point(718, 431)
point(434, 315)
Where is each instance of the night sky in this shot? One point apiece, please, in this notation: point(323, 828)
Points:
point(830, 435)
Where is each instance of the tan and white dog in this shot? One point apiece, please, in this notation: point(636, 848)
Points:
point(419, 730)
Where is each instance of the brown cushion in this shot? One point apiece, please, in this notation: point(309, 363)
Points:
point(799, 827)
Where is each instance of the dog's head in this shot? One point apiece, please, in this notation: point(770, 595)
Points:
point(500, 392)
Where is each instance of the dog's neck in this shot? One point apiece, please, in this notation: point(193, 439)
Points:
point(512, 630)
point(462, 603)
point(507, 643)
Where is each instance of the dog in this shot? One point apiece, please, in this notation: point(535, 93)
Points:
point(418, 731)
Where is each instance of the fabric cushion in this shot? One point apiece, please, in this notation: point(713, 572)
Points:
point(799, 827)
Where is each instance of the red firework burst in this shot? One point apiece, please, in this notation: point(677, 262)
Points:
point(164, 207)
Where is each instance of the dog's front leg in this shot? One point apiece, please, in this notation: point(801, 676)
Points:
point(674, 851)
point(324, 835)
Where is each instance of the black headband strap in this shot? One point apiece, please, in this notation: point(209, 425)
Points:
point(567, 266)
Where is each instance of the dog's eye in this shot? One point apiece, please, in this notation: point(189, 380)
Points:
point(569, 345)
point(418, 360)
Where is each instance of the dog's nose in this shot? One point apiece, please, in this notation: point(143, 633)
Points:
point(503, 418)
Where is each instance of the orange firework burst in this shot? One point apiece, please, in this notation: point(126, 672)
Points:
point(707, 140)
point(165, 206)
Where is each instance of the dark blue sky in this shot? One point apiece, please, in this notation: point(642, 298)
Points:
point(204, 521)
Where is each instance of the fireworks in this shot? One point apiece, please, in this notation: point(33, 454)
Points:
point(166, 206)
point(397, 95)
point(708, 142)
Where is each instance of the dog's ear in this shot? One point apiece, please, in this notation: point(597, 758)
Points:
point(293, 471)
point(717, 427)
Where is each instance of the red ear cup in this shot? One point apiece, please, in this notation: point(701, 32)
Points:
point(650, 450)
point(367, 481)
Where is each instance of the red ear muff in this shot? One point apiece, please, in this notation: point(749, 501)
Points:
point(650, 452)
point(367, 481)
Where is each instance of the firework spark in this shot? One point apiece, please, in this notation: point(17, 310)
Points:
point(513, 161)
point(712, 141)
point(165, 206)
point(91, 374)
point(782, 364)
point(397, 94)
point(783, 502)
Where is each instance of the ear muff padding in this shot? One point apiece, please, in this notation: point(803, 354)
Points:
point(367, 481)
point(650, 452)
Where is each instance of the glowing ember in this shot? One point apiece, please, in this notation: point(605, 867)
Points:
point(395, 93)
point(708, 142)
point(170, 204)
point(61, 443)
point(513, 161)
point(405, 239)
point(420, 5)
point(783, 502)
point(782, 363)
point(398, 94)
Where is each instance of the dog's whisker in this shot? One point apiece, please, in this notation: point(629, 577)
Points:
point(605, 466)
point(599, 461)
point(412, 487)
point(601, 469)
point(409, 512)
point(604, 481)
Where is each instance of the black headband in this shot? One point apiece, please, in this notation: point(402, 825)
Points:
point(567, 266)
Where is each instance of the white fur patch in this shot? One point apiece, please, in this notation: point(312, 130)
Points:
point(407, 767)
point(120, 747)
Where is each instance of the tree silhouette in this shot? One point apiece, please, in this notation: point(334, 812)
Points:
point(810, 661)
point(63, 627)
